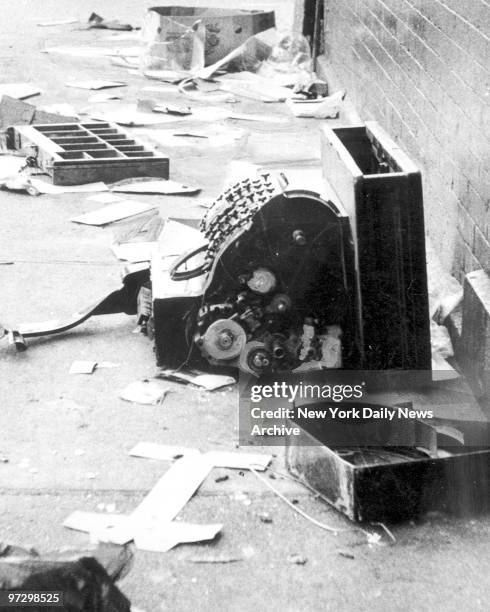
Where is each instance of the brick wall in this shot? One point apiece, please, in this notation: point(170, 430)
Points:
point(420, 68)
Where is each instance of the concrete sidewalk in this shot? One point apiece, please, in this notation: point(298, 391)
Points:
point(66, 438)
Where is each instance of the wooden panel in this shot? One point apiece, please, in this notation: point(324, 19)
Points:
point(474, 349)
point(76, 153)
point(381, 190)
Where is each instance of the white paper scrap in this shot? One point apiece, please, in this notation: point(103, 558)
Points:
point(47, 24)
point(94, 51)
point(83, 367)
point(103, 97)
point(161, 452)
point(166, 187)
point(90, 521)
point(105, 198)
point(10, 165)
point(239, 461)
point(144, 392)
point(264, 118)
point(114, 212)
point(63, 108)
point(134, 252)
point(44, 187)
point(96, 84)
point(323, 108)
point(19, 90)
point(211, 382)
point(163, 537)
point(172, 491)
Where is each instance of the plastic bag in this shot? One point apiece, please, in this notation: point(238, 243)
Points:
point(169, 45)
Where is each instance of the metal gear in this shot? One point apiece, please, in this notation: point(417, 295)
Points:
point(224, 340)
point(255, 358)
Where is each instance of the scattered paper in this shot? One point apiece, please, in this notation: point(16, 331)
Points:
point(249, 85)
point(135, 36)
point(98, 22)
point(172, 491)
point(120, 532)
point(179, 111)
point(215, 136)
point(67, 110)
point(131, 63)
point(90, 521)
point(210, 382)
point(163, 537)
point(144, 392)
point(105, 198)
point(96, 84)
point(114, 212)
point(129, 115)
point(161, 452)
point(264, 118)
point(177, 238)
point(324, 108)
point(10, 165)
point(217, 459)
point(47, 24)
point(134, 252)
point(166, 187)
point(20, 183)
point(94, 51)
point(167, 76)
point(20, 91)
point(103, 97)
point(239, 461)
point(83, 367)
point(165, 89)
point(45, 187)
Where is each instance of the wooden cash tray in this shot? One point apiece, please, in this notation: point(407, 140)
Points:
point(78, 153)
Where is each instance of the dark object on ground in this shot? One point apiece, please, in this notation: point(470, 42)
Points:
point(97, 22)
point(85, 577)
